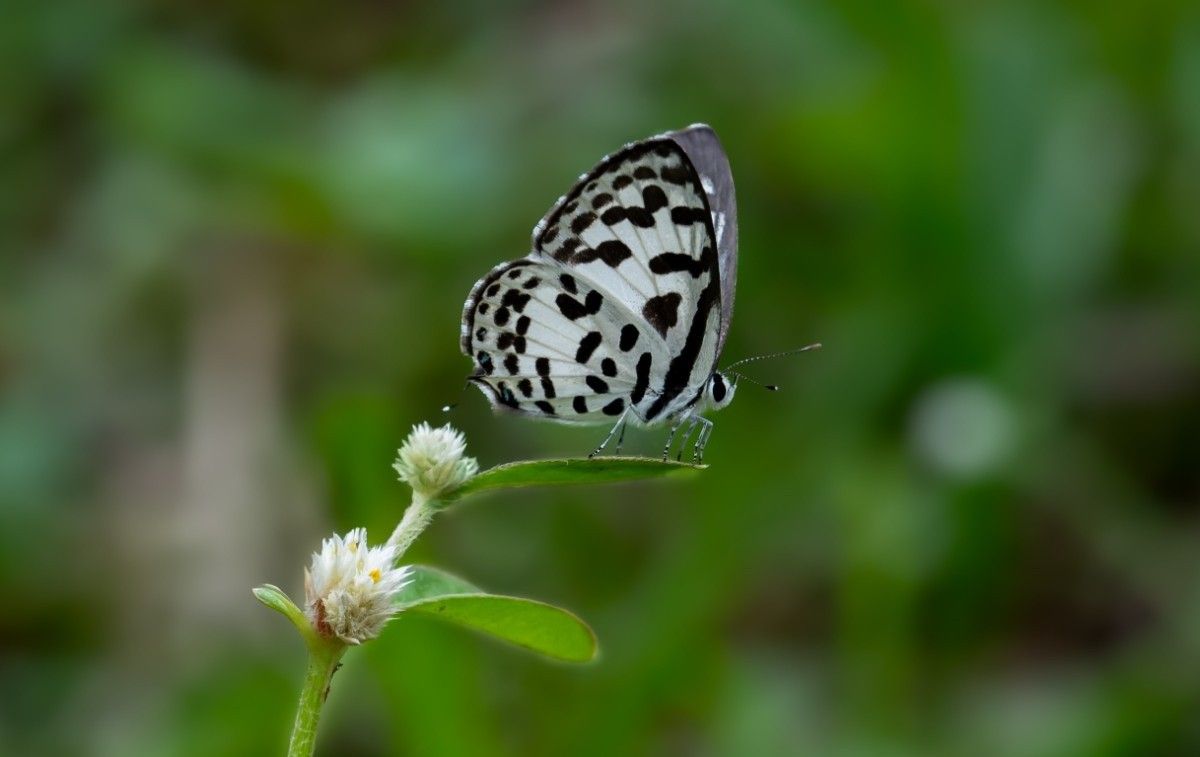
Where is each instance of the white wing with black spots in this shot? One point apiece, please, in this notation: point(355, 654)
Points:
point(550, 345)
point(638, 226)
point(619, 306)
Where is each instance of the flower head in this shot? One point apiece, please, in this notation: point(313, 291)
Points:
point(349, 587)
point(431, 460)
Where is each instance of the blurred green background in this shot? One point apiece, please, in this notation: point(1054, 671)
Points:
point(236, 240)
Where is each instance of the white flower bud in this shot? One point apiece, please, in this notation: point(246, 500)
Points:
point(431, 460)
point(350, 587)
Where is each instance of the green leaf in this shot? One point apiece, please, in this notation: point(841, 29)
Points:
point(427, 583)
point(536, 626)
point(533, 625)
point(574, 470)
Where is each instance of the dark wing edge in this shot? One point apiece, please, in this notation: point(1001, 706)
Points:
point(699, 142)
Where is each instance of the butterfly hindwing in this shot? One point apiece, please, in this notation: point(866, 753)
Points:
point(549, 344)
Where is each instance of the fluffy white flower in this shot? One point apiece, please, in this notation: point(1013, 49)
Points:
point(431, 460)
point(349, 587)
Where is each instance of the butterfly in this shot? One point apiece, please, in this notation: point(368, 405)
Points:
point(622, 308)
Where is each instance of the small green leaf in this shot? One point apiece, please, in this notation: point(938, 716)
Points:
point(574, 470)
point(428, 582)
point(536, 626)
point(273, 597)
point(277, 600)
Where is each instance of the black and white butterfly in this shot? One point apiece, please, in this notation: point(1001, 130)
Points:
point(621, 310)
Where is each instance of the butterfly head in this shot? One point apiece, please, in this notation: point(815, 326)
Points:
point(719, 390)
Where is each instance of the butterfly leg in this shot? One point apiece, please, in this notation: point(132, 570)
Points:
point(620, 424)
point(671, 438)
point(693, 422)
point(621, 438)
point(706, 427)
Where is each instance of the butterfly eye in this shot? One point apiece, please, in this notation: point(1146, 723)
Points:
point(718, 388)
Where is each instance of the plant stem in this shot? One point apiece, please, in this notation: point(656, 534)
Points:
point(322, 662)
point(415, 519)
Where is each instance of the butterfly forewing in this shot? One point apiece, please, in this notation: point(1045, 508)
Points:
point(619, 305)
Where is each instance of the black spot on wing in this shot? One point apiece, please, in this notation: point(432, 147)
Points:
point(622, 181)
point(579, 404)
point(531, 282)
point(525, 387)
point(629, 337)
point(640, 217)
point(485, 362)
point(685, 216)
point(582, 222)
point(678, 262)
point(505, 340)
point(597, 384)
point(547, 388)
point(600, 200)
point(516, 299)
point(654, 198)
point(573, 309)
point(613, 215)
point(545, 407)
point(611, 251)
point(643, 378)
point(511, 364)
point(567, 249)
point(608, 367)
point(680, 368)
point(614, 408)
point(587, 345)
point(644, 172)
point(568, 283)
point(501, 316)
point(523, 325)
point(543, 366)
point(676, 175)
point(662, 312)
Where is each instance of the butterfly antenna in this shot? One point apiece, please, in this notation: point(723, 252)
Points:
point(756, 358)
point(737, 376)
point(452, 405)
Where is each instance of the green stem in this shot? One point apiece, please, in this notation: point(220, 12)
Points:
point(323, 660)
point(415, 519)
